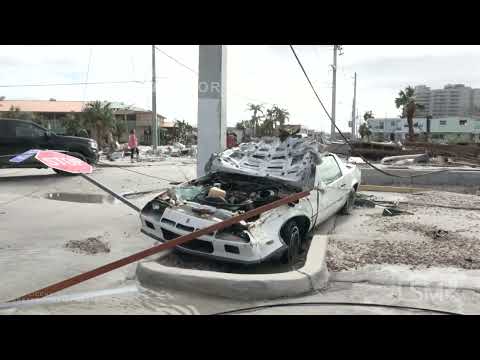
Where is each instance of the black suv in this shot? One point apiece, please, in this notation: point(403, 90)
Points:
point(18, 136)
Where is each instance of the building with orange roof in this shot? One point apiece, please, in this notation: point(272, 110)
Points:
point(53, 114)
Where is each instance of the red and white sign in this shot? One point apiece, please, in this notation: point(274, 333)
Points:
point(63, 162)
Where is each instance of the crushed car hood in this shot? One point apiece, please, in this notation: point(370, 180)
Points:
point(292, 160)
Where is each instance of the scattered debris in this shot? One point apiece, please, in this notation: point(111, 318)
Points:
point(115, 155)
point(90, 246)
point(444, 200)
point(439, 234)
point(406, 159)
point(390, 211)
point(363, 202)
point(453, 250)
point(355, 160)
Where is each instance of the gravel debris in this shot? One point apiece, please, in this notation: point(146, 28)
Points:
point(409, 243)
point(90, 246)
point(432, 236)
point(445, 198)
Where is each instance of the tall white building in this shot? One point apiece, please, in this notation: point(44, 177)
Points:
point(452, 100)
point(476, 101)
point(422, 96)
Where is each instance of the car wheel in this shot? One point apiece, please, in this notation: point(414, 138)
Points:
point(347, 208)
point(292, 236)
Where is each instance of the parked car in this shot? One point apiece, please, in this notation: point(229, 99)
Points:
point(18, 136)
point(246, 177)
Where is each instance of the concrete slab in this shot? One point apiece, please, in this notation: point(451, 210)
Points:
point(458, 180)
point(312, 276)
point(401, 275)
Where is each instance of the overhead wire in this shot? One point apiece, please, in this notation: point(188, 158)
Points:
point(88, 72)
point(196, 73)
point(343, 136)
point(140, 173)
point(76, 83)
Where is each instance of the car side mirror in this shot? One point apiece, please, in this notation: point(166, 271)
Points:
point(321, 187)
point(48, 134)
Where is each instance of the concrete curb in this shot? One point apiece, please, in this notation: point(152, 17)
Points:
point(462, 180)
point(401, 275)
point(313, 275)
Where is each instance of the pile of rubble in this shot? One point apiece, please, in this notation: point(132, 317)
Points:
point(430, 246)
point(146, 153)
point(439, 229)
point(89, 246)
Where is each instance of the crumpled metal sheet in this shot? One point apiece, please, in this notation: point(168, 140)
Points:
point(292, 160)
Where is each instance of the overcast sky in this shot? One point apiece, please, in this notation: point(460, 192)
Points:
point(256, 73)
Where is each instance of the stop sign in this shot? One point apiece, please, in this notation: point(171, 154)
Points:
point(63, 162)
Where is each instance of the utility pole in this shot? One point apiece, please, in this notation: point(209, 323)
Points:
point(154, 103)
point(334, 88)
point(354, 123)
point(212, 103)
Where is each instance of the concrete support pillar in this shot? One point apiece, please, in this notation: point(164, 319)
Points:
point(212, 97)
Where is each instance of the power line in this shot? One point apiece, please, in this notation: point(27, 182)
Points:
point(196, 73)
point(79, 83)
point(137, 172)
point(177, 61)
point(343, 136)
point(88, 71)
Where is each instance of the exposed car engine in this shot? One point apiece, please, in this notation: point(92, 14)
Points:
point(233, 191)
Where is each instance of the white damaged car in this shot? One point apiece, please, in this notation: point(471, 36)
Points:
point(246, 177)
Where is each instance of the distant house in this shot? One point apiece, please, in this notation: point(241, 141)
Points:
point(454, 129)
point(54, 113)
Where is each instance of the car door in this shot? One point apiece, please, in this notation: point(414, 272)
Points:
point(344, 181)
point(28, 136)
point(330, 195)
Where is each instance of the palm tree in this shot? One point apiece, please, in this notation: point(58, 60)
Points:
point(99, 118)
point(368, 115)
point(182, 131)
point(243, 125)
point(364, 128)
point(268, 124)
point(255, 119)
point(406, 100)
point(73, 124)
point(280, 116)
point(364, 131)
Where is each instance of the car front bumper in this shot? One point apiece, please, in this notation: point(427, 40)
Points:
point(213, 247)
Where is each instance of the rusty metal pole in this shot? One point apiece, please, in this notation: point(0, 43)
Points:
point(111, 192)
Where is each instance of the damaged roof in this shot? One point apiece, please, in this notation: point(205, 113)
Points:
point(292, 160)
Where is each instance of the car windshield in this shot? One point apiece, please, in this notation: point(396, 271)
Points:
point(319, 179)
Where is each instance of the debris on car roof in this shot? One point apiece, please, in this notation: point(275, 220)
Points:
point(292, 160)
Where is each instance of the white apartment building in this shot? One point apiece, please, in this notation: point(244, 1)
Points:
point(452, 100)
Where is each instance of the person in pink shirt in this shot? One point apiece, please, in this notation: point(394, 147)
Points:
point(133, 144)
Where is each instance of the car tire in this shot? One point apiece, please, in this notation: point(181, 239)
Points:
point(64, 173)
point(347, 208)
point(292, 236)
